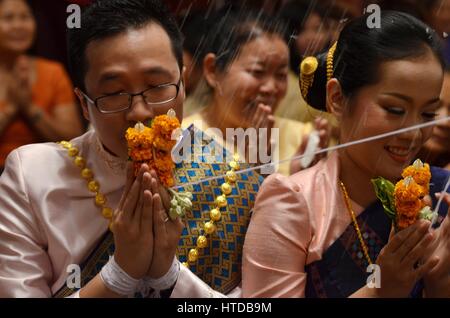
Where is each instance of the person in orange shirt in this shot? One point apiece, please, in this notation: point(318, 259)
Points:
point(36, 96)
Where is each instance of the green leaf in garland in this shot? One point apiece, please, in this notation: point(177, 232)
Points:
point(384, 189)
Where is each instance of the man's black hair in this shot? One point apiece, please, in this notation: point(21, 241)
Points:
point(106, 18)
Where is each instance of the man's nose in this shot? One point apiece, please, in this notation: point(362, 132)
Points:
point(139, 110)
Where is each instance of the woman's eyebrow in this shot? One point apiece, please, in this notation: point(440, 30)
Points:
point(255, 61)
point(410, 99)
point(434, 100)
point(399, 96)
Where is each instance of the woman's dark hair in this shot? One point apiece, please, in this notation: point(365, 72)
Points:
point(360, 51)
point(412, 7)
point(294, 14)
point(234, 29)
point(195, 28)
point(106, 18)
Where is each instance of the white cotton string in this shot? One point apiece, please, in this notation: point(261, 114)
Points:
point(325, 150)
point(435, 217)
point(117, 280)
point(166, 281)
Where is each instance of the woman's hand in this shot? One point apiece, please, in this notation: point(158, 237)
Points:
point(437, 282)
point(19, 88)
point(324, 128)
point(167, 232)
point(263, 121)
point(132, 224)
point(9, 112)
point(399, 260)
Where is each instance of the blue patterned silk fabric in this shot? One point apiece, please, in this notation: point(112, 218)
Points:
point(218, 264)
point(342, 270)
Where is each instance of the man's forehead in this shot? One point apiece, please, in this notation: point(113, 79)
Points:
point(156, 71)
point(151, 35)
point(147, 48)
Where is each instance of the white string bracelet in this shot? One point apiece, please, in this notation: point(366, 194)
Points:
point(117, 280)
point(166, 281)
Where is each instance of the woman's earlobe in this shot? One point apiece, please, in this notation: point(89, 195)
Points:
point(209, 69)
point(335, 98)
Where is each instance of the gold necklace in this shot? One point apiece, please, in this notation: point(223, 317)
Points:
point(215, 214)
point(355, 223)
point(88, 175)
point(208, 228)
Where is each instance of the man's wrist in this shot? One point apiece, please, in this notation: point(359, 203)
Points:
point(118, 280)
point(437, 285)
point(168, 280)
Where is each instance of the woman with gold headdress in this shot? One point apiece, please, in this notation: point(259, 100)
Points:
point(329, 227)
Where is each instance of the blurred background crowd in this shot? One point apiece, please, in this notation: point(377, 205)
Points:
point(36, 94)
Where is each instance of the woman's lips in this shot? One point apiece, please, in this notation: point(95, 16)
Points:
point(399, 154)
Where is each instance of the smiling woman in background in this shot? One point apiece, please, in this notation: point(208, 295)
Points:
point(246, 63)
point(328, 225)
point(36, 96)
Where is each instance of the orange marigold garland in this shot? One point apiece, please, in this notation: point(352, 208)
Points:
point(403, 202)
point(140, 140)
point(163, 127)
point(408, 197)
point(152, 146)
point(420, 172)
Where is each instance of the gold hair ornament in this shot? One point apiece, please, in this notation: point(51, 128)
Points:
point(307, 69)
point(330, 61)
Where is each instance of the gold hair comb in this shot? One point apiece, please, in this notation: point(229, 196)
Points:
point(307, 69)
